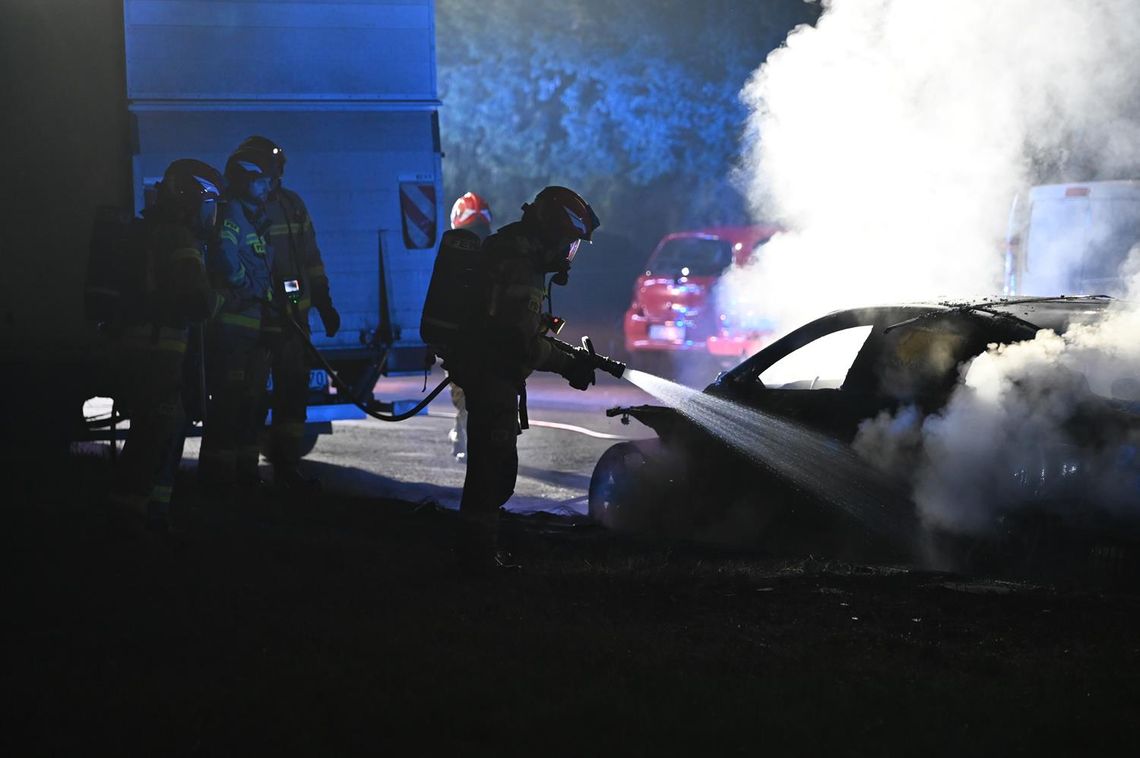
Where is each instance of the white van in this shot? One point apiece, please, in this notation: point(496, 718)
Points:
point(1072, 239)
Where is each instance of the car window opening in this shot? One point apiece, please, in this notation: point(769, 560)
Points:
point(700, 256)
point(823, 363)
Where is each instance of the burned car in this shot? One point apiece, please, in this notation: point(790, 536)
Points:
point(781, 450)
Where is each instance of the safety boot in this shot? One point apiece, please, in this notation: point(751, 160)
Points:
point(477, 553)
point(215, 474)
point(290, 478)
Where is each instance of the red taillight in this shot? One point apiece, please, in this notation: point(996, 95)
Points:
point(1077, 192)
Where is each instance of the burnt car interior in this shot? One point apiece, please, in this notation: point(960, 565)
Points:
point(887, 358)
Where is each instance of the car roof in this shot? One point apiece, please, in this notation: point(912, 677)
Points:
point(1029, 314)
point(747, 236)
point(1056, 313)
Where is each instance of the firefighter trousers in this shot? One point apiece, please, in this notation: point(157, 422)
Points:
point(237, 368)
point(148, 389)
point(492, 449)
point(290, 396)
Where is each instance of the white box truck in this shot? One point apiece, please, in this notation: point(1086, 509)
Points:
point(1073, 239)
point(108, 92)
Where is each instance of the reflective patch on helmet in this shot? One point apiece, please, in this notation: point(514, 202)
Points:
point(253, 168)
point(576, 220)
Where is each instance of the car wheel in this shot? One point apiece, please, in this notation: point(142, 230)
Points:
point(617, 486)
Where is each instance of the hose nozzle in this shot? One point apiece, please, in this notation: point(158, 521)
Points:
point(601, 362)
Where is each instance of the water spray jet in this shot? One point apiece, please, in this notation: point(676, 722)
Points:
point(813, 463)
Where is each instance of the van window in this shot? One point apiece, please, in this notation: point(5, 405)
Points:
point(1058, 232)
point(1115, 230)
point(1077, 245)
point(699, 255)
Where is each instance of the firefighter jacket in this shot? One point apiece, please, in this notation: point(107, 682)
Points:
point(296, 256)
point(175, 289)
point(240, 265)
point(516, 330)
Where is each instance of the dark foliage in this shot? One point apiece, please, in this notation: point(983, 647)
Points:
point(633, 104)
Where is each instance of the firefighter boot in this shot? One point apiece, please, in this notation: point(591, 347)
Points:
point(246, 475)
point(477, 552)
point(289, 477)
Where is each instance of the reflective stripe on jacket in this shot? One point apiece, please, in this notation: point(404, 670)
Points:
point(240, 265)
point(295, 252)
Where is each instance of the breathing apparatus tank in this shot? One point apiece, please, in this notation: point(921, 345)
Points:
point(459, 295)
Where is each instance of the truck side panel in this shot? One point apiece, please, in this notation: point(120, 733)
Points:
point(348, 89)
point(347, 167)
point(217, 49)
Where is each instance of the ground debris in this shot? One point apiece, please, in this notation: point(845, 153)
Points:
point(350, 612)
point(986, 586)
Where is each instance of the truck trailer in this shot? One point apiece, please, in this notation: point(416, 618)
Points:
point(104, 94)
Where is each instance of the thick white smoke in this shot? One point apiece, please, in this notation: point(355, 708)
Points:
point(1019, 426)
point(891, 138)
point(1053, 422)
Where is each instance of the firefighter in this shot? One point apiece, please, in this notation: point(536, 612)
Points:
point(470, 212)
point(299, 283)
point(237, 362)
point(170, 291)
point(493, 371)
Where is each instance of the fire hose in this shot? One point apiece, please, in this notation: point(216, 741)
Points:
point(585, 352)
point(368, 408)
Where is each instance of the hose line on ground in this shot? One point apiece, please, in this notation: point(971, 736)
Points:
point(343, 388)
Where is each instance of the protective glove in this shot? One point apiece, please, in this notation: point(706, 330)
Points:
point(580, 372)
point(330, 318)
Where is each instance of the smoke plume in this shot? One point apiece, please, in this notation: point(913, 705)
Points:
point(1053, 422)
point(890, 139)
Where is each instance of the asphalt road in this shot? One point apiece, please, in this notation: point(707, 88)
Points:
point(412, 460)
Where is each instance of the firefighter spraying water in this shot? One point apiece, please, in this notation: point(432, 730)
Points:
point(484, 316)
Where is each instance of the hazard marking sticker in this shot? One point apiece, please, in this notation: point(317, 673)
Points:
point(418, 212)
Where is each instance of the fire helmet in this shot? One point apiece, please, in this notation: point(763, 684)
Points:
point(470, 210)
point(561, 214)
point(245, 167)
point(187, 185)
point(271, 152)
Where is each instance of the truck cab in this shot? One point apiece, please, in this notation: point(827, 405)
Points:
point(1073, 239)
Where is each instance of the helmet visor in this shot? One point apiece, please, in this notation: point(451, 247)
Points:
point(572, 250)
point(208, 214)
